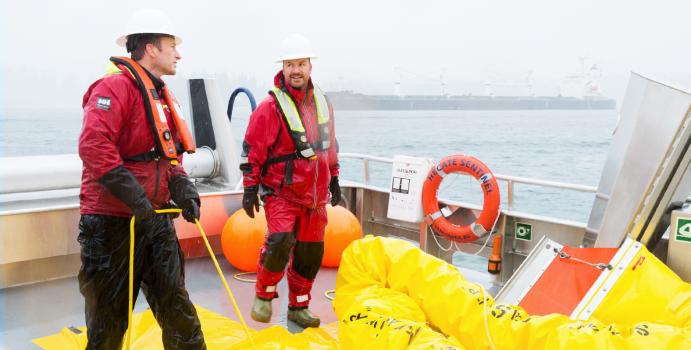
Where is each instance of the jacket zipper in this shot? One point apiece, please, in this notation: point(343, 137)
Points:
point(311, 131)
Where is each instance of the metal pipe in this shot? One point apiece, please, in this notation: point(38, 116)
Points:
point(63, 171)
point(204, 163)
point(516, 179)
point(544, 183)
point(366, 166)
point(365, 156)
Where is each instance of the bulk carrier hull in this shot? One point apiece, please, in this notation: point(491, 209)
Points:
point(344, 100)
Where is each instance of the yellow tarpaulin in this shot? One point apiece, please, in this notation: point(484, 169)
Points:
point(220, 333)
point(648, 290)
point(389, 293)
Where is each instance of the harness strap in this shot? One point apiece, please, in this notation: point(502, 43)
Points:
point(284, 158)
point(152, 155)
point(288, 158)
point(291, 156)
point(279, 159)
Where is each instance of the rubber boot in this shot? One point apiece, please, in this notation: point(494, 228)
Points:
point(303, 318)
point(261, 310)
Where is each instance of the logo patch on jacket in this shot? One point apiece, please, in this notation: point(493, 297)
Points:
point(103, 103)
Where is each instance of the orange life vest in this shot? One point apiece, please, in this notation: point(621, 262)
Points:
point(165, 145)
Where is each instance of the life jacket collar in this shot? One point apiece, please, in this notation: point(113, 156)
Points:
point(154, 92)
point(292, 117)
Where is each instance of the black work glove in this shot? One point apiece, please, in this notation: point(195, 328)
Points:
point(190, 210)
point(335, 190)
point(182, 189)
point(124, 186)
point(250, 201)
point(144, 211)
point(185, 195)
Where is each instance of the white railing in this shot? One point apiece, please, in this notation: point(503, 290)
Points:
point(510, 180)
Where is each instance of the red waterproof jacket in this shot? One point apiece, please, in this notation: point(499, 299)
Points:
point(115, 127)
point(268, 136)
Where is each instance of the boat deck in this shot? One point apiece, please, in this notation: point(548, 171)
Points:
point(37, 310)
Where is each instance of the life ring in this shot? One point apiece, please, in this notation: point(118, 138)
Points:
point(490, 208)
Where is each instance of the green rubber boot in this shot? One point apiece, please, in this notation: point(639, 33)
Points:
point(303, 318)
point(261, 310)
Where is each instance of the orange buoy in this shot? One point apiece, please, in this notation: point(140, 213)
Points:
point(490, 208)
point(343, 227)
point(242, 238)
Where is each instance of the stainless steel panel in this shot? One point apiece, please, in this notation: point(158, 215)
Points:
point(656, 111)
point(671, 183)
point(529, 271)
point(32, 236)
point(39, 270)
point(621, 138)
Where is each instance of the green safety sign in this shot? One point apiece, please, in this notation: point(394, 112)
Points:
point(683, 230)
point(524, 231)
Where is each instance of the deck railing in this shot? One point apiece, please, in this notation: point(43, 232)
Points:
point(511, 181)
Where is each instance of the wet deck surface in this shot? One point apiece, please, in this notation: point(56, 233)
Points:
point(42, 309)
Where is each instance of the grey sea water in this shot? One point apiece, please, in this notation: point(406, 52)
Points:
point(565, 146)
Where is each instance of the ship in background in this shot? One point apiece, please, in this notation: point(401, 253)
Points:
point(576, 92)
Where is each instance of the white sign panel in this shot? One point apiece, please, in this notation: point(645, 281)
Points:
point(405, 197)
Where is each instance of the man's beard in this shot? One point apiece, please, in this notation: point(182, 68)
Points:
point(298, 87)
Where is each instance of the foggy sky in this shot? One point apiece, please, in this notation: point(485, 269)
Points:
point(52, 50)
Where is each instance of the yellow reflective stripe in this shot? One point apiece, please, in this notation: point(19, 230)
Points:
point(322, 106)
point(290, 110)
point(112, 69)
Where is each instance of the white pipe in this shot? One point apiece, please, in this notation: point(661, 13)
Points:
point(37, 173)
point(229, 170)
point(204, 163)
point(62, 171)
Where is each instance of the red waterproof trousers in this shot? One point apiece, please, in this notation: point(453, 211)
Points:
point(295, 238)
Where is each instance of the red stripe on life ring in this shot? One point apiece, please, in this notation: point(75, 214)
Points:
point(490, 189)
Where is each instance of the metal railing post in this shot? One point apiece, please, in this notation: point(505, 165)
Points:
point(365, 162)
point(509, 194)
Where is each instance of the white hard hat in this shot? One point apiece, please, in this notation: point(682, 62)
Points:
point(149, 20)
point(295, 46)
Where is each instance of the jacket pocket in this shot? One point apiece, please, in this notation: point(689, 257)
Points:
point(300, 176)
point(93, 239)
